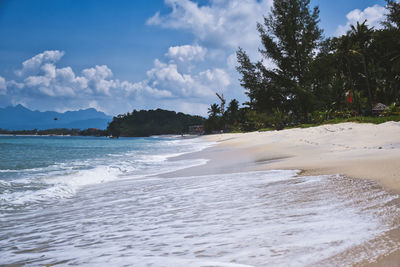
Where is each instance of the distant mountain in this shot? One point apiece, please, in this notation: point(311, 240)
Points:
point(21, 118)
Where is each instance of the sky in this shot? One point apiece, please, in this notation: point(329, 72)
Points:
point(117, 56)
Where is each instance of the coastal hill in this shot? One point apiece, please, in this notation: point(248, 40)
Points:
point(22, 118)
point(152, 122)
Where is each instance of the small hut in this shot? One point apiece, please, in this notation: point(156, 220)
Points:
point(379, 108)
point(196, 129)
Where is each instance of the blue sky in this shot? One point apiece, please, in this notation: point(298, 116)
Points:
point(117, 56)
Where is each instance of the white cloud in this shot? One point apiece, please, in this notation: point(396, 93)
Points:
point(169, 85)
point(374, 16)
point(187, 52)
point(99, 79)
point(41, 76)
point(14, 84)
point(55, 82)
point(3, 86)
point(216, 77)
point(166, 76)
point(32, 65)
point(140, 89)
point(227, 23)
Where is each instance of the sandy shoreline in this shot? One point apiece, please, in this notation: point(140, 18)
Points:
point(364, 151)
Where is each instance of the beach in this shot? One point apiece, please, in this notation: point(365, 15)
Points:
point(365, 151)
point(355, 151)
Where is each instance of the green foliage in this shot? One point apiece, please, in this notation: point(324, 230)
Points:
point(213, 124)
point(228, 121)
point(255, 120)
point(232, 112)
point(374, 120)
point(312, 78)
point(152, 122)
point(214, 110)
point(289, 37)
point(393, 16)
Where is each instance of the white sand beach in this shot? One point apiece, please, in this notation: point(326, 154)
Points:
point(365, 151)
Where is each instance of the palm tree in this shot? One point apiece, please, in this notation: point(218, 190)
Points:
point(214, 110)
point(361, 37)
point(232, 111)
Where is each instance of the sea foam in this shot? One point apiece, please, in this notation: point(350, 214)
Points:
point(268, 218)
point(64, 179)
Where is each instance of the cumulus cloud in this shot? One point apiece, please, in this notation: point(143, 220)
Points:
point(228, 23)
point(53, 81)
point(142, 88)
point(373, 15)
point(99, 79)
point(32, 65)
point(3, 86)
point(14, 84)
point(217, 77)
point(187, 52)
point(40, 78)
point(167, 76)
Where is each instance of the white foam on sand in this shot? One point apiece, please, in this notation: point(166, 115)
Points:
point(268, 218)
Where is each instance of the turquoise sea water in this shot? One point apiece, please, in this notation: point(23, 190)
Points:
point(103, 202)
point(36, 169)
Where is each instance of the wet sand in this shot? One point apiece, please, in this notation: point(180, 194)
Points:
point(364, 151)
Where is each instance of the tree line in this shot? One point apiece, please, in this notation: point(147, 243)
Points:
point(152, 122)
point(306, 78)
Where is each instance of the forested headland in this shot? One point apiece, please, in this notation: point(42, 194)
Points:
point(152, 122)
point(315, 79)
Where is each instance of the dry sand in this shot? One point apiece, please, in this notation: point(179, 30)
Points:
point(366, 151)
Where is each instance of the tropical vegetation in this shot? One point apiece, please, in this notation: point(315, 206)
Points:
point(152, 122)
point(313, 79)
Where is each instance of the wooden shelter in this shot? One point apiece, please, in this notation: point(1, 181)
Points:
point(379, 108)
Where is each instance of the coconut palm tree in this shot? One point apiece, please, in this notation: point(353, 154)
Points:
point(214, 110)
point(362, 37)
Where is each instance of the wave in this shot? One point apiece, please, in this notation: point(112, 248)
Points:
point(272, 218)
point(63, 180)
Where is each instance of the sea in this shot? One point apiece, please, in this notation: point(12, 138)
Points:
point(93, 201)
